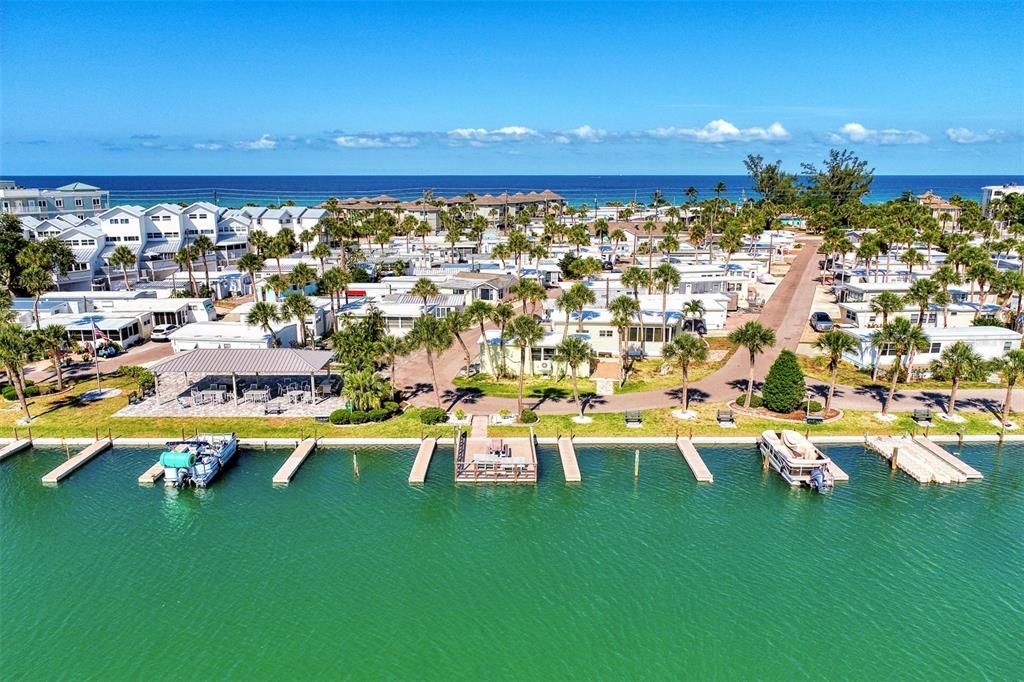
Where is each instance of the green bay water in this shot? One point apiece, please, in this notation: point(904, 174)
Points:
point(657, 577)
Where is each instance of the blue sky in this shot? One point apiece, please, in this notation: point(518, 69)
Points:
point(490, 87)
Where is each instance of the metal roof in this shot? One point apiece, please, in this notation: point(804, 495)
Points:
point(246, 361)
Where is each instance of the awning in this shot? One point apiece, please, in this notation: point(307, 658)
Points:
point(109, 249)
point(84, 254)
point(162, 248)
point(246, 361)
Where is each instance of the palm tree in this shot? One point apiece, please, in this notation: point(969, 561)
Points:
point(574, 352)
point(184, 258)
point(301, 275)
point(528, 291)
point(684, 350)
point(834, 344)
point(756, 338)
point(298, 306)
point(958, 361)
point(901, 338)
point(459, 321)
point(1011, 366)
point(945, 276)
point(259, 240)
point(623, 310)
point(501, 315)
point(433, 336)
point(525, 332)
point(14, 355)
point(567, 304)
point(885, 304)
point(921, 294)
point(251, 263)
point(665, 278)
point(123, 257)
point(366, 390)
point(264, 315)
point(52, 340)
point(391, 347)
point(912, 257)
point(36, 281)
point(203, 246)
point(424, 288)
point(634, 278)
point(479, 313)
point(321, 252)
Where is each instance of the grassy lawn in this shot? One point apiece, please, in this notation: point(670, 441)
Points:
point(849, 375)
point(63, 415)
point(646, 376)
point(662, 423)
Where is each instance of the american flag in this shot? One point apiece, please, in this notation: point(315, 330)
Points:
point(97, 333)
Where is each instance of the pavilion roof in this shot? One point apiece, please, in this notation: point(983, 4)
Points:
point(246, 361)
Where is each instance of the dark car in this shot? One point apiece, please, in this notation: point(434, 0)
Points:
point(821, 322)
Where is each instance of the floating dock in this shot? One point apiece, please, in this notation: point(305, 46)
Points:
point(14, 448)
point(422, 463)
point(838, 475)
point(570, 466)
point(291, 465)
point(922, 463)
point(963, 467)
point(694, 461)
point(79, 460)
point(151, 475)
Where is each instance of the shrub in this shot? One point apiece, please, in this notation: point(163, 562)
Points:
point(433, 415)
point(755, 401)
point(31, 391)
point(341, 417)
point(528, 416)
point(357, 417)
point(784, 387)
point(988, 322)
point(815, 406)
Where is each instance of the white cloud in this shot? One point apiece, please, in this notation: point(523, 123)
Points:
point(376, 141)
point(480, 136)
point(856, 132)
point(265, 141)
point(586, 133)
point(208, 146)
point(721, 130)
point(968, 136)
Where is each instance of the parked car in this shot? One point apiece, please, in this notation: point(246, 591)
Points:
point(162, 332)
point(821, 322)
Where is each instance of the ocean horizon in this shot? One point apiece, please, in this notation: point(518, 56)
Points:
point(238, 190)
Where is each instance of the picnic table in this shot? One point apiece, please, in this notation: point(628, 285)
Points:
point(213, 396)
point(257, 395)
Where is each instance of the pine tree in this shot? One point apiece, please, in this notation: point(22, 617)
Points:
point(784, 386)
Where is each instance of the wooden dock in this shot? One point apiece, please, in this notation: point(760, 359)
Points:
point(570, 466)
point(291, 465)
point(14, 448)
point(151, 475)
point(919, 462)
point(423, 456)
point(74, 463)
point(838, 475)
point(694, 461)
point(963, 467)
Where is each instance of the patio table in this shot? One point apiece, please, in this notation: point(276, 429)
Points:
point(297, 396)
point(215, 396)
point(257, 395)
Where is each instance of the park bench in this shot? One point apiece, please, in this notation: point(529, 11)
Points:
point(923, 416)
point(633, 418)
point(815, 419)
point(726, 417)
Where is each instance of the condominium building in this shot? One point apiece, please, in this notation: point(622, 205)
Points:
point(77, 199)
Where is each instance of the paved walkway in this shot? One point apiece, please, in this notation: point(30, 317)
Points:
point(786, 311)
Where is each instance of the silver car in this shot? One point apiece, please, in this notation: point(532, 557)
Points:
point(821, 322)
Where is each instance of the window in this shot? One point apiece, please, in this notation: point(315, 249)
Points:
point(79, 203)
point(95, 202)
point(7, 205)
point(42, 203)
point(650, 333)
point(605, 333)
point(59, 203)
point(935, 347)
point(192, 216)
point(887, 349)
point(202, 216)
point(1007, 346)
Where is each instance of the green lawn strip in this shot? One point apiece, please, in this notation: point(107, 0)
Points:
point(532, 388)
point(848, 375)
point(60, 416)
point(661, 423)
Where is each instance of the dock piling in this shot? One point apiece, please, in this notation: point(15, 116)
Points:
point(636, 464)
point(355, 465)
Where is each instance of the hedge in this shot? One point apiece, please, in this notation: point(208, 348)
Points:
point(389, 410)
point(433, 415)
point(528, 416)
point(755, 401)
point(31, 391)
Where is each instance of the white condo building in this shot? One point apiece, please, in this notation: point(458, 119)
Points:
point(77, 199)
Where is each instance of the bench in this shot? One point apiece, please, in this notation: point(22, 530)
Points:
point(269, 408)
point(726, 417)
point(323, 419)
point(923, 416)
point(633, 418)
point(815, 419)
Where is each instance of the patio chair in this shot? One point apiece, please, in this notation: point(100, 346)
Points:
point(183, 404)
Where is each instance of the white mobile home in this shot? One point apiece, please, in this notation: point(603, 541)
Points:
point(230, 335)
point(989, 342)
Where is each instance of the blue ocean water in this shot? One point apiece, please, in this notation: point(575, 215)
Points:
point(237, 190)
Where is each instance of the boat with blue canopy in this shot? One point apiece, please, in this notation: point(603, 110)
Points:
point(199, 460)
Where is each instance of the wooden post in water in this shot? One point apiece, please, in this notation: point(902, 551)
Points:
point(895, 455)
point(636, 464)
point(960, 436)
point(355, 465)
